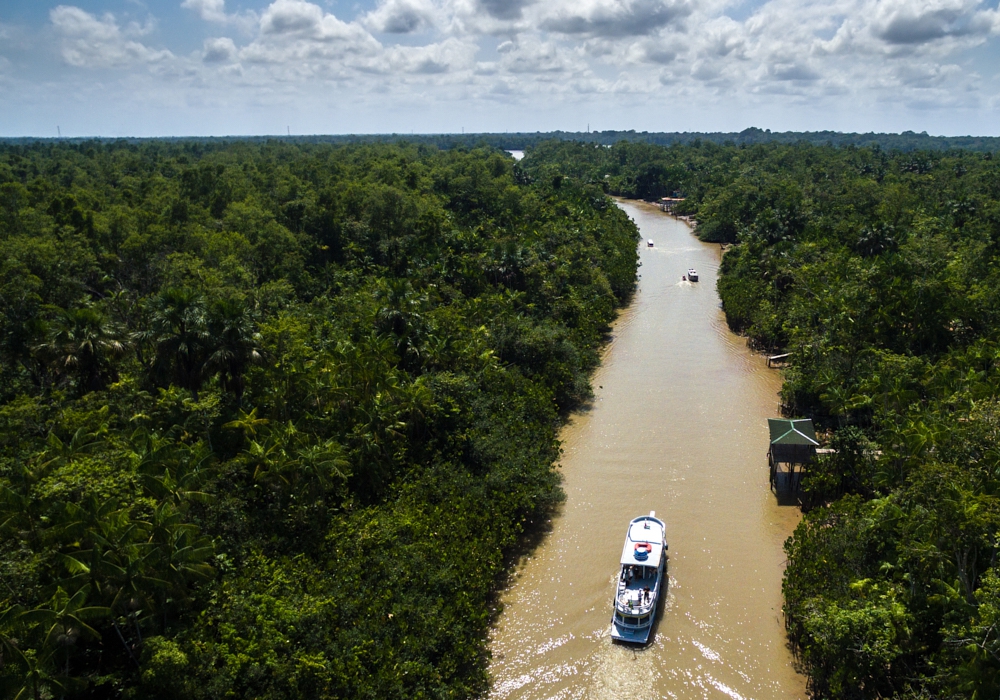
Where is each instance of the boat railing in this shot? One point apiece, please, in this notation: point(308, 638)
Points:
point(635, 609)
point(626, 604)
point(629, 625)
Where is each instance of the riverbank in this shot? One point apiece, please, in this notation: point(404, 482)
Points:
point(677, 425)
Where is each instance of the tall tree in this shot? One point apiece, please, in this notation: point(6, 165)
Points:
point(83, 344)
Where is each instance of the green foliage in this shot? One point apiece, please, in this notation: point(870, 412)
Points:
point(165, 670)
point(272, 415)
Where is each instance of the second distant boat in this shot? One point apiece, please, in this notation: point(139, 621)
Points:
point(692, 275)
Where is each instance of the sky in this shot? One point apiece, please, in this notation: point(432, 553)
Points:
point(244, 67)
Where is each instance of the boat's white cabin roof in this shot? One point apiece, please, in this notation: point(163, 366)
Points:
point(649, 530)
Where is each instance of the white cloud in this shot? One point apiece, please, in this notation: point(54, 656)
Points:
point(723, 37)
point(792, 70)
point(215, 11)
point(922, 21)
point(208, 10)
point(928, 76)
point(504, 9)
point(402, 16)
point(612, 18)
point(529, 55)
point(219, 50)
point(300, 19)
point(908, 27)
point(439, 60)
point(552, 52)
point(301, 33)
point(87, 41)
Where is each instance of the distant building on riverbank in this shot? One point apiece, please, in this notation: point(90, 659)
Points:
point(793, 444)
point(667, 204)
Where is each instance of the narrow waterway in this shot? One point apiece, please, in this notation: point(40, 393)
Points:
point(678, 425)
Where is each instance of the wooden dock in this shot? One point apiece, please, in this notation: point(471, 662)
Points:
point(777, 359)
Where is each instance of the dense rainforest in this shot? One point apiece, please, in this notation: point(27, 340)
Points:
point(879, 271)
point(273, 416)
point(906, 141)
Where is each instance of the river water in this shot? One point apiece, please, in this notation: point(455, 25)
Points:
point(678, 425)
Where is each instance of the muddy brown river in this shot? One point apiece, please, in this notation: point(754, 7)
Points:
point(678, 425)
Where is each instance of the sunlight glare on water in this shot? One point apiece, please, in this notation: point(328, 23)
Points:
point(678, 425)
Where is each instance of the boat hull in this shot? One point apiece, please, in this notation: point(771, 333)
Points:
point(629, 635)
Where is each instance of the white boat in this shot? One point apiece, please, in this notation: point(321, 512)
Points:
point(640, 580)
point(649, 243)
point(692, 275)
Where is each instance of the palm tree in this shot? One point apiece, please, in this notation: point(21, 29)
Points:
point(248, 423)
point(35, 675)
point(400, 316)
point(174, 471)
point(64, 620)
point(19, 507)
point(181, 551)
point(180, 336)
point(62, 623)
point(82, 342)
point(293, 464)
point(114, 561)
point(235, 344)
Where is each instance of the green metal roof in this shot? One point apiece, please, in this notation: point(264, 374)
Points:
point(792, 431)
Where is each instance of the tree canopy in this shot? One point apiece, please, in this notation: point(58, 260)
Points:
point(272, 415)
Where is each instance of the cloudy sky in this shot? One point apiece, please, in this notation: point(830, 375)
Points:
point(217, 67)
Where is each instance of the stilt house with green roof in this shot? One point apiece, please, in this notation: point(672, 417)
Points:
point(793, 444)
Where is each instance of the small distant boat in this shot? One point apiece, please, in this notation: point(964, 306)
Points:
point(649, 243)
point(640, 581)
point(692, 275)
